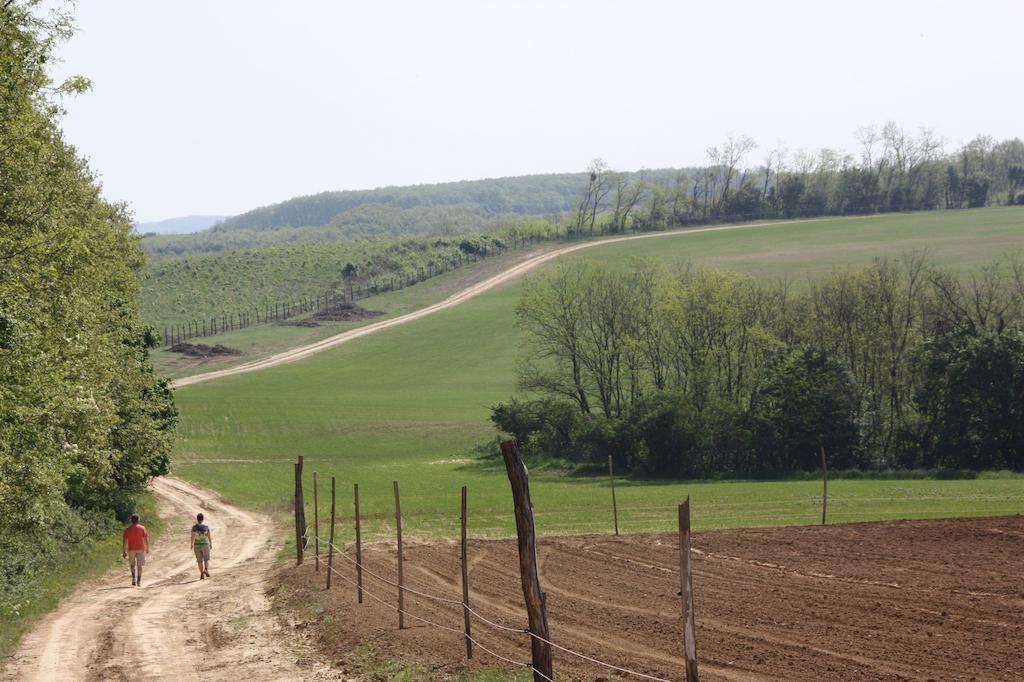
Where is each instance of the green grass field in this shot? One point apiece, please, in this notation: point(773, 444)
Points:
point(267, 339)
point(408, 404)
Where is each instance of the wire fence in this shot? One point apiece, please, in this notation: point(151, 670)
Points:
point(477, 616)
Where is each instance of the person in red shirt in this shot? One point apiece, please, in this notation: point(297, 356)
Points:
point(135, 547)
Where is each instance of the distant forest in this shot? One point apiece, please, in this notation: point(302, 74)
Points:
point(390, 212)
point(893, 169)
point(267, 256)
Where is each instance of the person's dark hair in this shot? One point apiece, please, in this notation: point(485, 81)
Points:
point(135, 518)
point(199, 517)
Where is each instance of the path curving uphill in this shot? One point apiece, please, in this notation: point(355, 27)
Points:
point(175, 626)
point(455, 299)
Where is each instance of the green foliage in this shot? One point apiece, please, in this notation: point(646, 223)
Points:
point(177, 290)
point(499, 205)
point(527, 195)
point(974, 390)
point(697, 373)
point(84, 422)
point(808, 402)
point(36, 572)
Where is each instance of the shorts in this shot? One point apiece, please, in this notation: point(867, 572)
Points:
point(136, 557)
point(202, 553)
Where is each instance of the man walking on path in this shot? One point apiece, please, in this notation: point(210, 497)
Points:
point(202, 543)
point(135, 547)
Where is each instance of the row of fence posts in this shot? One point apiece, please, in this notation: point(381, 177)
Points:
point(533, 594)
point(251, 316)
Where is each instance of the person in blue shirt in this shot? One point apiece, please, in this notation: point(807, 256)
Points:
point(202, 543)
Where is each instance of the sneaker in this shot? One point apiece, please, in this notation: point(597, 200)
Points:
point(133, 583)
point(202, 576)
point(207, 572)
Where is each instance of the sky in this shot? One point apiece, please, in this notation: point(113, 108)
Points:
point(203, 107)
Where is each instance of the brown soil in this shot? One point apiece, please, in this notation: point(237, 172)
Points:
point(201, 350)
point(915, 600)
point(340, 312)
point(346, 312)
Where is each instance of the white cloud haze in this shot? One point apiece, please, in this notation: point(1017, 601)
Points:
point(218, 107)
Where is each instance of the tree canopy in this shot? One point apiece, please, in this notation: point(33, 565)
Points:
point(84, 421)
point(703, 373)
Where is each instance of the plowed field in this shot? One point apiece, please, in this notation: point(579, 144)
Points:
point(915, 600)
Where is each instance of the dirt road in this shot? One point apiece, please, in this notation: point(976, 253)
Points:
point(461, 297)
point(175, 626)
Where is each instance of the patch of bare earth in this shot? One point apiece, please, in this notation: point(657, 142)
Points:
point(914, 600)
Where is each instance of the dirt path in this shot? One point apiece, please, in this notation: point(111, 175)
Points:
point(175, 626)
point(460, 297)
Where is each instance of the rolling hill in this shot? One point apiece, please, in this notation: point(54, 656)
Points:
point(411, 402)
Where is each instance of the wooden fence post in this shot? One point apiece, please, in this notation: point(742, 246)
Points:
point(316, 525)
point(527, 536)
point(465, 582)
point(824, 481)
point(330, 543)
point(686, 590)
point(359, 551)
point(300, 513)
point(615, 506)
point(401, 575)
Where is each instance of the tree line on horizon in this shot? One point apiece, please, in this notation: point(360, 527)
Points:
point(199, 275)
point(893, 170)
point(691, 373)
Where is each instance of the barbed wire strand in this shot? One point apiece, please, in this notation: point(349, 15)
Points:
point(443, 627)
point(405, 586)
point(476, 614)
point(524, 631)
point(389, 582)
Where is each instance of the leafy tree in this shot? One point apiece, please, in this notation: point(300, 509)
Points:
point(83, 419)
point(975, 389)
point(807, 403)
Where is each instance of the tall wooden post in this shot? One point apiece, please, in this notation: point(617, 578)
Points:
point(330, 543)
point(316, 525)
point(686, 590)
point(465, 582)
point(401, 575)
point(300, 513)
point(359, 551)
point(615, 507)
point(518, 476)
point(824, 483)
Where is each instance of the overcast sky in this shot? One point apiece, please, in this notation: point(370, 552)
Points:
point(204, 107)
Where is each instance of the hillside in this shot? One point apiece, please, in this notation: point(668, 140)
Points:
point(525, 195)
point(180, 290)
point(390, 212)
point(409, 402)
point(182, 225)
